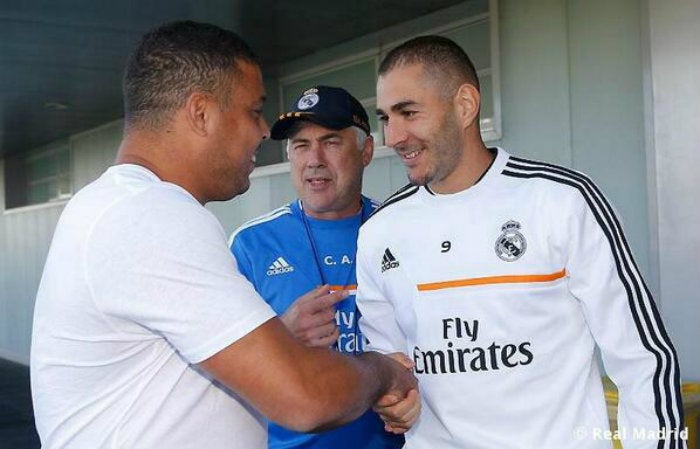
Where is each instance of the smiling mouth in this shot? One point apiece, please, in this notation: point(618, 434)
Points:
point(408, 156)
point(318, 181)
point(411, 155)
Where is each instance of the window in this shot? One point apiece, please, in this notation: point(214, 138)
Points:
point(476, 34)
point(42, 176)
point(479, 38)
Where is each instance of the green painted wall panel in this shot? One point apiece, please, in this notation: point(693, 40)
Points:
point(607, 110)
point(535, 80)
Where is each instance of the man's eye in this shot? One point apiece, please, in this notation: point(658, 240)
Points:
point(409, 114)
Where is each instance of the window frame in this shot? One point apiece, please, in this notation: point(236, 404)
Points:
point(491, 127)
point(62, 197)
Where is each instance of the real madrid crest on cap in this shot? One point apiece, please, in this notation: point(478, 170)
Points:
point(326, 106)
point(511, 244)
point(308, 100)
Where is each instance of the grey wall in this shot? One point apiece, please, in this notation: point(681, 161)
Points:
point(93, 151)
point(26, 234)
point(674, 67)
point(573, 93)
point(571, 86)
point(24, 242)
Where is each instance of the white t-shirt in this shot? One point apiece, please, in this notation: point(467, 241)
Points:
point(500, 293)
point(139, 284)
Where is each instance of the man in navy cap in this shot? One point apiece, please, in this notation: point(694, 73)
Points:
point(301, 257)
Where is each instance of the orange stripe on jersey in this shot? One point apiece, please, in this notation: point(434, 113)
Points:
point(516, 279)
point(335, 288)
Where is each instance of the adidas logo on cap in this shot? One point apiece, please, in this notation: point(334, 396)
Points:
point(389, 261)
point(279, 266)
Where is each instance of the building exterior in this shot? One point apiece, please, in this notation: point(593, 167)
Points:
point(611, 88)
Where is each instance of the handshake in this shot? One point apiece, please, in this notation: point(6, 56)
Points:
point(387, 381)
point(399, 407)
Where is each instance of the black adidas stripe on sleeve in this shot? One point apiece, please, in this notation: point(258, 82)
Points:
point(646, 316)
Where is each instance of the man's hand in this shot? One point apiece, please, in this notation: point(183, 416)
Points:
point(311, 318)
point(399, 413)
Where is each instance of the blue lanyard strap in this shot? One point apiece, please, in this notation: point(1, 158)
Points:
point(365, 213)
point(317, 256)
point(312, 242)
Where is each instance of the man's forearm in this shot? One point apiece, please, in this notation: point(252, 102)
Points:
point(305, 388)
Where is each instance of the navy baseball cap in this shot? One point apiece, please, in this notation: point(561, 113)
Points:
point(330, 107)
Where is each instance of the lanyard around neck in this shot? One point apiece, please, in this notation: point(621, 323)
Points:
point(314, 248)
point(365, 213)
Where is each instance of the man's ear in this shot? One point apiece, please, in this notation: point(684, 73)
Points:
point(467, 102)
point(368, 150)
point(200, 113)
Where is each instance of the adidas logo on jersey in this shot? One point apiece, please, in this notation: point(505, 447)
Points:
point(389, 261)
point(279, 266)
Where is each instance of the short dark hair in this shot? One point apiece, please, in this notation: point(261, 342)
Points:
point(174, 60)
point(441, 57)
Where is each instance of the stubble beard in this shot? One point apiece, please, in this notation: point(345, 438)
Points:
point(229, 179)
point(445, 148)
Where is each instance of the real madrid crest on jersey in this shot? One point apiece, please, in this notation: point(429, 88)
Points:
point(511, 244)
point(308, 100)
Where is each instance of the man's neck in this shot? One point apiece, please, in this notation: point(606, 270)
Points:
point(471, 167)
point(151, 150)
point(346, 212)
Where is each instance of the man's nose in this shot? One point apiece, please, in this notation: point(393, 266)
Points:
point(316, 156)
point(394, 134)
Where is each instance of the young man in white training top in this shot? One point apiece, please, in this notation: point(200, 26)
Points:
point(499, 276)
